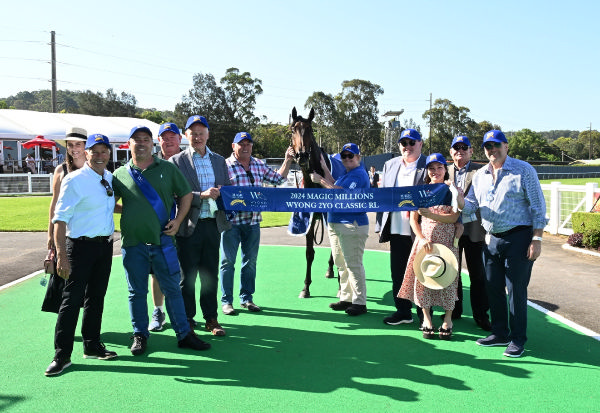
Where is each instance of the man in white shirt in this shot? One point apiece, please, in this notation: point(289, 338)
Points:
point(83, 228)
point(406, 170)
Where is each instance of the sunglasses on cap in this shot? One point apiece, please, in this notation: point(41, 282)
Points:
point(106, 185)
point(460, 147)
point(490, 145)
point(347, 156)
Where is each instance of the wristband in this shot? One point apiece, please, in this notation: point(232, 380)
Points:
point(536, 238)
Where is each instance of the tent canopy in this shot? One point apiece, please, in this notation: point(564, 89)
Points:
point(23, 125)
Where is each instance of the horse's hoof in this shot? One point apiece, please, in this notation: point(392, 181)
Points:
point(329, 274)
point(304, 294)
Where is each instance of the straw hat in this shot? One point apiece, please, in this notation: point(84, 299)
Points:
point(76, 134)
point(436, 269)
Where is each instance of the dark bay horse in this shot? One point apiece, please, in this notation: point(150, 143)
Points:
point(308, 156)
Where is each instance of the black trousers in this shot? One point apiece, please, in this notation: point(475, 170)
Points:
point(400, 247)
point(91, 262)
point(474, 259)
point(199, 256)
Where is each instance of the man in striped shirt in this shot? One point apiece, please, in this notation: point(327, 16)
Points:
point(245, 170)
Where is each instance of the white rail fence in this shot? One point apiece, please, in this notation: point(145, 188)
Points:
point(561, 200)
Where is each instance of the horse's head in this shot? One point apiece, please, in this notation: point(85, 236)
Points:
point(303, 141)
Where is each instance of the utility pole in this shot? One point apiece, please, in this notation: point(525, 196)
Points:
point(430, 122)
point(53, 64)
point(590, 141)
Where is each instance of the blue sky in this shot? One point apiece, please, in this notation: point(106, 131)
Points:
point(519, 64)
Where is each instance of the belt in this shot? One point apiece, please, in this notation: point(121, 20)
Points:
point(511, 231)
point(205, 219)
point(101, 238)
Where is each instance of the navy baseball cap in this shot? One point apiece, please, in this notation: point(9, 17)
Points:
point(168, 126)
point(435, 157)
point(351, 147)
point(139, 128)
point(410, 134)
point(240, 136)
point(196, 119)
point(95, 139)
point(461, 139)
point(494, 136)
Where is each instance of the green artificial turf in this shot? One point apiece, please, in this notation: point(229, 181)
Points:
point(296, 355)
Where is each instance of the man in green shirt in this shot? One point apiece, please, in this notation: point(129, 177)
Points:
point(148, 186)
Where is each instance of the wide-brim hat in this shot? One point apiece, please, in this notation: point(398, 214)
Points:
point(436, 269)
point(76, 134)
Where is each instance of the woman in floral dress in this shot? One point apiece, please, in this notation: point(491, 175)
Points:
point(437, 226)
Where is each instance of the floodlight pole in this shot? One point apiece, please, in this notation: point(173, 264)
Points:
point(53, 64)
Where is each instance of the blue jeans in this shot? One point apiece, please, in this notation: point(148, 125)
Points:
point(137, 261)
point(249, 236)
point(506, 265)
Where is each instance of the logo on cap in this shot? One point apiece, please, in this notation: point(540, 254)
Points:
point(489, 135)
point(406, 132)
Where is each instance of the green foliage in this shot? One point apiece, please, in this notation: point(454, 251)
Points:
point(529, 145)
point(270, 140)
point(228, 106)
point(349, 116)
point(588, 223)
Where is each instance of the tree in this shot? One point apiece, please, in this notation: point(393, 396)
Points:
point(446, 121)
point(228, 106)
point(590, 143)
point(529, 145)
point(270, 140)
point(97, 104)
point(350, 116)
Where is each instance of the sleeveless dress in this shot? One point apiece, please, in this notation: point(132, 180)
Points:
point(412, 289)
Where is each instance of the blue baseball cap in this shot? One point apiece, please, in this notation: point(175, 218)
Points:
point(351, 147)
point(95, 139)
point(410, 134)
point(168, 126)
point(461, 139)
point(494, 136)
point(139, 128)
point(196, 119)
point(240, 136)
point(435, 157)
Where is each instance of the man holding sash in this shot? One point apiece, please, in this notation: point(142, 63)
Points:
point(148, 187)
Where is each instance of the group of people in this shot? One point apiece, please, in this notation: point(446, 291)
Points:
point(498, 224)
point(172, 228)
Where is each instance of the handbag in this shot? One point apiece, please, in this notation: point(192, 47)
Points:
point(50, 261)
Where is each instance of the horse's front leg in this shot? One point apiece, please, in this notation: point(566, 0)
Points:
point(329, 273)
point(310, 257)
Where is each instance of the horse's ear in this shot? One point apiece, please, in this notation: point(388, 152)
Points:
point(311, 115)
point(294, 114)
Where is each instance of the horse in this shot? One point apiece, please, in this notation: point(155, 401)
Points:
point(308, 156)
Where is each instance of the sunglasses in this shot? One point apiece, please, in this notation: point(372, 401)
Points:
point(407, 142)
point(460, 147)
point(490, 145)
point(106, 185)
point(347, 156)
point(250, 177)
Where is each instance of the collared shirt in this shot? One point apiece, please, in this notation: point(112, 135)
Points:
point(206, 178)
point(460, 175)
point(401, 219)
point(356, 178)
point(84, 205)
point(260, 173)
point(515, 198)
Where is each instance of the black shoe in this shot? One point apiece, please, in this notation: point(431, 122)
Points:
point(398, 318)
point(98, 351)
point(340, 305)
point(192, 341)
point(57, 366)
point(139, 345)
point(493, 340)
point(514, 350)
point(356, 309)
point(483, 323)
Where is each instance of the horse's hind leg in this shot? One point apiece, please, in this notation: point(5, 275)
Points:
point(310, 257)
point(330, 272)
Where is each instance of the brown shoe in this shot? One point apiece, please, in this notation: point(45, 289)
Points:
point(251, 306)
point(214, 327)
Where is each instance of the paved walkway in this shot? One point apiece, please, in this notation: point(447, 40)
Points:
point(565, 282)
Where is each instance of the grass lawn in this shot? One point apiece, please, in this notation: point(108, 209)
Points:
point(575, 181)
point(30, 213)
